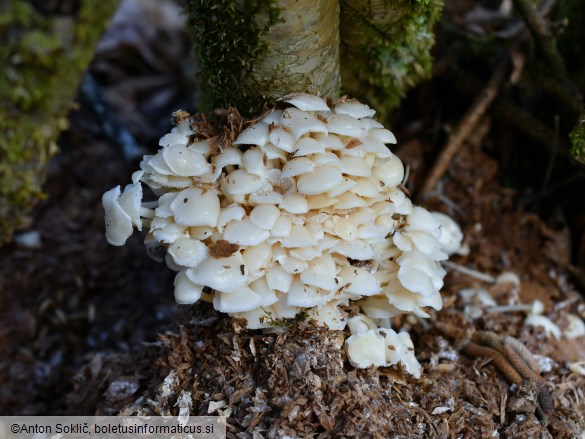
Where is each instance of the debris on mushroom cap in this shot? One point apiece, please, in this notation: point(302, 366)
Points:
point(301, 211)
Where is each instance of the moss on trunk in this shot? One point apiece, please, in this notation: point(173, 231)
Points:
point(251, 52)
point(43, 56)
point(385, 48)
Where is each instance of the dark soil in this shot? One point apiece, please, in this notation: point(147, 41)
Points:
point(87, 328)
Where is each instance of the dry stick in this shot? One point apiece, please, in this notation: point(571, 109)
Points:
point(506, 110)
point(542, 35)
point(467, 124)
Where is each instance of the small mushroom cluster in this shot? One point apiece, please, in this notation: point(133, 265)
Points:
point(304, 210)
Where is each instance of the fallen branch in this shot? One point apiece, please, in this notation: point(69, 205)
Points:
point(466, 126)
point(542, 35)
point(546, 42)
point(511, 113)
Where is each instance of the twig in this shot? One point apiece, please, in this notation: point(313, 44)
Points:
point(517, 27)
point(470, 272)
point(508, 111)
point(541, 34)
point(466, 126)
point(546, 42)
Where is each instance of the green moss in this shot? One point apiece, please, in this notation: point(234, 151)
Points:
point(229, 38)
point(43, 57)
point(283, 323)
point(386, 50)
point(577, 136)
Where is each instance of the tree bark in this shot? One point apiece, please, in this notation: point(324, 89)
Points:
point(251, 53)
point(304, 46)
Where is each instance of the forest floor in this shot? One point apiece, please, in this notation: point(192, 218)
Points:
point(87, 328)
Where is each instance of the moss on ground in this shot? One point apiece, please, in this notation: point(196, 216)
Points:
point(43, 58)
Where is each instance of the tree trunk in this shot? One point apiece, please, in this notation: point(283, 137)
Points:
point(44, 49)
point(252, 53)
point(385, 48)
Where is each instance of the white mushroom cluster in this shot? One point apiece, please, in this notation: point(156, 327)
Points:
point(305, 210)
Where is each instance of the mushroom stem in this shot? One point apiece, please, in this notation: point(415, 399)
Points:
point(146, 213)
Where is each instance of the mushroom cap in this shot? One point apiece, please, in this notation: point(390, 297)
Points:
point(330, 315)
point(366, 349)
point(186, 292)
point(241, 300)
point(245, 232)
point(282, 139)
point(354, 108)
point(131, 202)
point(221, 274)
point(321, 273)
point(303, 210)
point(357, 280)
point(118, 221)
point(419, 273)
point(185, 162)
point(195, 207)
point(306, 296)
point(306, 102)
point(188, 252)
point(299, 122)
point(256, 134)
point(319, 180)
point(451, 234)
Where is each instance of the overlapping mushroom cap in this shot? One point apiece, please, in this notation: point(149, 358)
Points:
point(304, 209)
